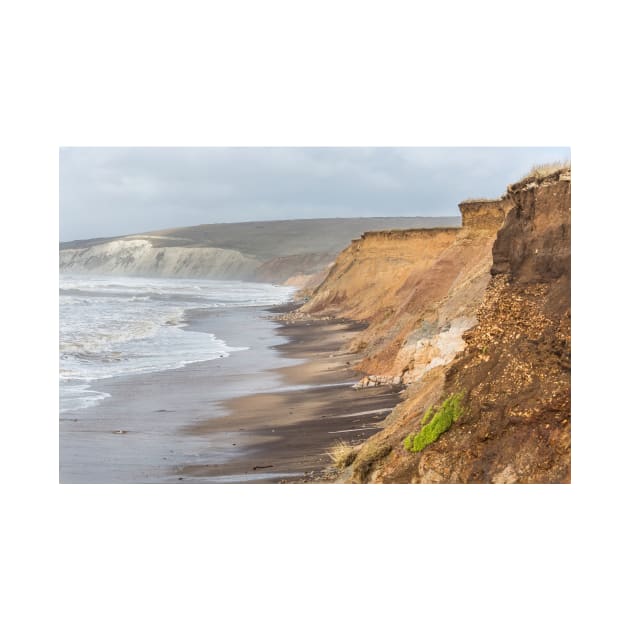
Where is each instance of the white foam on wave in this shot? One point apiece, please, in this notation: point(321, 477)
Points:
point(79, 396)
point(117, 326)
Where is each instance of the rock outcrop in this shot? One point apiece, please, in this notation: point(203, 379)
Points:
point(514, 368)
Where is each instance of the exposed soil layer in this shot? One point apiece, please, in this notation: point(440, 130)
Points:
point(416, 290)
point(514, 371)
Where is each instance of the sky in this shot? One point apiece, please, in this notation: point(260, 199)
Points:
point(117, 191)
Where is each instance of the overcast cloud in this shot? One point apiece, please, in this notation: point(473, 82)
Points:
point(116, 191)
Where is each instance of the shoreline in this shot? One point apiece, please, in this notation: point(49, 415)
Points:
point(288, 431)
point(264, 415)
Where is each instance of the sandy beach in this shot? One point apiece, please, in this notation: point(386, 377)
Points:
point(267, 414)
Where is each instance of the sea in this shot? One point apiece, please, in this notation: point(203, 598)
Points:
point(116, 326)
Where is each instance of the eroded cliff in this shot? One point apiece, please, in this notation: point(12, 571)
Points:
point(513, 374)
point(295, 252)
point(418, 291)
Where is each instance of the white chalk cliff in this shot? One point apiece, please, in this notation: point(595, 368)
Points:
point(291, 251)
point(139, 257)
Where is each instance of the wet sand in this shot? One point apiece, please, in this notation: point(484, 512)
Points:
point(287, 432)
point(268, 414)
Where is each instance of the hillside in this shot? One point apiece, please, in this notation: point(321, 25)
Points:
point(289, 251)
point(476, 323)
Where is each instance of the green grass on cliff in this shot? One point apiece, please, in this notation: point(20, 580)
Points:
point(440, 421)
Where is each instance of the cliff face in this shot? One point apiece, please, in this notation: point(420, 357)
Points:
point(368, 275)
point(139, 257)
point(293, 252)
point(514, 370)
point(417, 289)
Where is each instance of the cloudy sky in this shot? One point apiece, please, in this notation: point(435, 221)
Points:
point(116, 191)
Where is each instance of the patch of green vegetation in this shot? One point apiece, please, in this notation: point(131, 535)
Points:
point(441, 420)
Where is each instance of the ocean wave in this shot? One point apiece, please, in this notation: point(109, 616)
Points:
point(113, 327)
point(79, 396)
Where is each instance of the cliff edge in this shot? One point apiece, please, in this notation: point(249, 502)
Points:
point(500, 411)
